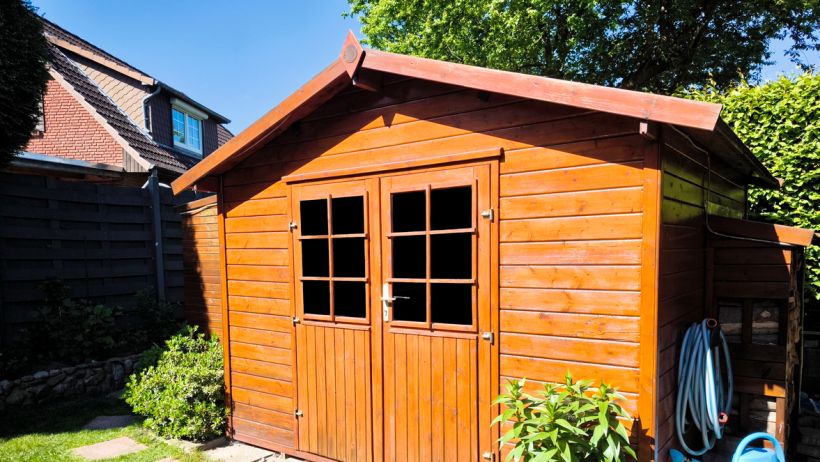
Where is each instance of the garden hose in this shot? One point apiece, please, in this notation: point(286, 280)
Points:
point(702, 401)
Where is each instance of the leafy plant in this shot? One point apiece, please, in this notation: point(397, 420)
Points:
point(182, 394)
point(74, 330)
point(780, 122)
point(569, 423)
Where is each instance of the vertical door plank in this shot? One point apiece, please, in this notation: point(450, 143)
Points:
point(473, 377)
point(350, 379)
point(413, 407)
point(330, 383)
point(438, 396)
point(401, 397)
point(450, 390)
point(321, 417)
point(360, 383)
point(425, 399)
point(389, 405)
point(313, 418)
point(464, 381)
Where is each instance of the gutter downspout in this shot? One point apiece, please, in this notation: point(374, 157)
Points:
point(146, 116)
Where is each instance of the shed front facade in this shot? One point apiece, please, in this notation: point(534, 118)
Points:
point(401, 236)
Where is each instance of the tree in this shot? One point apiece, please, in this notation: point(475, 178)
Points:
point(23, 75)
point(778, 121)
point(659, 46)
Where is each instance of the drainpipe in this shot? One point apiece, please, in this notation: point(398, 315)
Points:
point(145, 113)
point(153, 187)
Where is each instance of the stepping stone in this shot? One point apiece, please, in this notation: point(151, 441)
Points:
point(108, 449)
point(105, 422)
point(168, 459)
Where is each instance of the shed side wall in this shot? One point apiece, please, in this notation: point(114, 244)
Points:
point(570, 232)
point(683, 258)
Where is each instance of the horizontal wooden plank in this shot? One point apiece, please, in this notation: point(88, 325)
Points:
point(753, 256)
point(284, 420)
point(278, 290)
point(262, 368)
point(577, 252)
point(256, 224)
point(260, 305)
point(551, 370)
point(258, 273)
point(257, 207)
point(261, 399)
point(271, 257)
point(624, 328)
point(261, 321)
point(571, 301)
point(572, 277)
point(595, 202)
point(249, 191)
point(586, 178)
point(604, 150)
point(269, 240)
point(265, 384)
point(262, 432)
point(261, 353)
point(570, 349)
point(572, 228)
point(260, 336)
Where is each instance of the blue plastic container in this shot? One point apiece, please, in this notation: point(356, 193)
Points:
point(743, 453)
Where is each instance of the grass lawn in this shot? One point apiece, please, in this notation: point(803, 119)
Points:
point(48, 433)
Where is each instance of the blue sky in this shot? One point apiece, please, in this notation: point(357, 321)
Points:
point(239, 58)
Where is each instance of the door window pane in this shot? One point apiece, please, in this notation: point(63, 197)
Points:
point(409, 211)
point(348, 257)
point(314, 258)
point(451, 208)
point(451, 255)
point(409, 257)
point(410, 303)
point(452, 303)
point(349, 299)
point(316, 297)
point(314, 217)
point(348, 215)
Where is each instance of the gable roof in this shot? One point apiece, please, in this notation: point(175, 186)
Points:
point(135, 141)
point(65, 40)
point(355, 66)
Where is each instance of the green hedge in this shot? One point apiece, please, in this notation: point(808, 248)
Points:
point(780, 122)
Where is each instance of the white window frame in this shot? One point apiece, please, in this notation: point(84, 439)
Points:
point(189, 112)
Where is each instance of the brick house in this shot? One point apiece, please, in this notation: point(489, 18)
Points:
point(100, 110)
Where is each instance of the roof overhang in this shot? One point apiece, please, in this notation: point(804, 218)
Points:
point(31, 161)
point(354, 65)
point(767, 232)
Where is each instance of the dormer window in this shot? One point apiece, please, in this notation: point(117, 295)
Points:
point(187, 126)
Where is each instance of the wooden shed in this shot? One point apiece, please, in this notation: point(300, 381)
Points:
point(400, 236)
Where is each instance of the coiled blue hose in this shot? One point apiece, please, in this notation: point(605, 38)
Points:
point(702, 401)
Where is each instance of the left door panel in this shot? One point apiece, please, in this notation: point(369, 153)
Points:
point(332, 291)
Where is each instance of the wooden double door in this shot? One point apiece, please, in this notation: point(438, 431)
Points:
point(392, 293)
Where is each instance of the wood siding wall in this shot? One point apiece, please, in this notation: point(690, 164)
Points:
point(683, 259)
point(200, 250)
point(571, 226)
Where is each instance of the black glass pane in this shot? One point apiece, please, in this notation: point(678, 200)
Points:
point(451, 208)
point(349, 299)
point(314, 257)
point(409, 257)
point(410, 303)
point(316, 297)
point(451, 256)
point(452, 303)
point(348, 215)
point(409, 212)
point(348, 257)
point(314, 217)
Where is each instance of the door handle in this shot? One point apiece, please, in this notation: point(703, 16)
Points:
point(387, 300)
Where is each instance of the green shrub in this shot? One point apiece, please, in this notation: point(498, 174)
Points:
point(182, 394)
point(569, 423)
point(74, 330)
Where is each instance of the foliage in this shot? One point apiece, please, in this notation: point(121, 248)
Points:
point(74, 330)
point(569, 423)
point(639, 44)
point(155, 320)
point(780, 122)
point(182, 395)
point(23, 75)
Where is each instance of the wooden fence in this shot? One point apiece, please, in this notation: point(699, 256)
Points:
point(105, 242)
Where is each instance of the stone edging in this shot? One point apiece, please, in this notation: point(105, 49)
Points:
point(90, 379)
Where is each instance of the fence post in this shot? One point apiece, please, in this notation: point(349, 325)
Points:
point(159, 253)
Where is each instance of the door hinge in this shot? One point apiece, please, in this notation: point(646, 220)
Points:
point(291, 226)
point(295, 320)
point(297, 413)
point(488, 214)
point(488, 456)
point(488, 336)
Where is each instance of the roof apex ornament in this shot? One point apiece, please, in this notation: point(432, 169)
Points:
point(352, 54)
